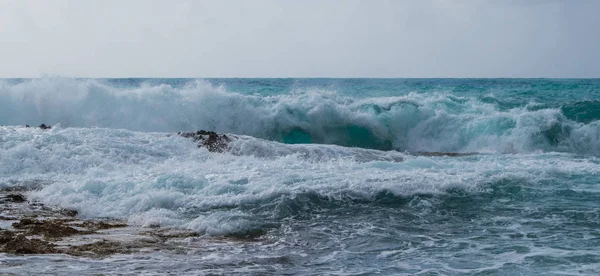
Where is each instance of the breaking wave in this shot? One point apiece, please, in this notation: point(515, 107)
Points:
point(411, 122)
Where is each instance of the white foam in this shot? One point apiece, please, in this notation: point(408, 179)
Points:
point(412, 122)
point(156, 178)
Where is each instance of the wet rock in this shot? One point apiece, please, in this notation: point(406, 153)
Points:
point(249, 235)
point(19, 244)
point(99, 225)
point(39, 229)
point(44, 126)
point(209, 139)
point(163, 235)
point(48, 228)
point(6, 236)
point(449, 154)
point(17, 198)
point(98, 249)
point(68, 213)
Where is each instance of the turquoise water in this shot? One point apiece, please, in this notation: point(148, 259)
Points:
point(315, 177)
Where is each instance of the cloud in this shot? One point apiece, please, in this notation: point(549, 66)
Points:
point(438, 38)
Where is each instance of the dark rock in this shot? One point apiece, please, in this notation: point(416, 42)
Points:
point(35, 233)
point(44, 126)
point(48, 228)
point(165, 235)
point(23, 222)
point(17, 198)
point(449, 154)
point(68, 213)
point(19, 244)
point(26, 125)
point(209, 139)
point(100, 248)
point(249, 235)
point(99, 225)
point(6, 236)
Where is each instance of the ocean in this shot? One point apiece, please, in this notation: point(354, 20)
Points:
point(323, 176)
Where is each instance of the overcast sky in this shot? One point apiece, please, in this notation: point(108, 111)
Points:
point(179, 38)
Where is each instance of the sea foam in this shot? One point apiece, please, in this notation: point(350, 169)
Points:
point(162, 179)
point(413, 122)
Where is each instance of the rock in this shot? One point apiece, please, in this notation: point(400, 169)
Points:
point(209, 139)
point(449, 154)
point(17, 198)
point(37, 230)
point(99, 249)
point(68, 213)
point(19, 244)
point(164, 235)
point(5, 236)
point(100, 225)
point(44, 126)
point(49, 228)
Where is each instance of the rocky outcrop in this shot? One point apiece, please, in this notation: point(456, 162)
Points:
point(37, 228)
point(15, 198)
point(49, 228)
point(32, 228)
point(447, 154)
point(209, 139)
point(11, 242)
point(42, 126)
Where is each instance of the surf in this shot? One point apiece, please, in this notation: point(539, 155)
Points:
point(407, 122)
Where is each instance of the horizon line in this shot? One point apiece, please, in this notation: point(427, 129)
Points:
point(137, 77)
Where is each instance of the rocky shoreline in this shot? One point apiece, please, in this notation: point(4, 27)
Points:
point(32, 228)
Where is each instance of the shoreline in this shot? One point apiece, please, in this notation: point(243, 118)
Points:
point(33, 228)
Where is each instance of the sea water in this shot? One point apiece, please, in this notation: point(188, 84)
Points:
point(328, 176)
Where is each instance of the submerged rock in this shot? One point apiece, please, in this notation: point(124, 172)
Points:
point(209, 139)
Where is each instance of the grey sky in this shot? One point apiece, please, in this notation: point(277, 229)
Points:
point(437, 38)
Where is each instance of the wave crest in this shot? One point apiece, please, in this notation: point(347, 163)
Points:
point(414, 122)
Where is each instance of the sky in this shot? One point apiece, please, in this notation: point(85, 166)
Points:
point(309, 38)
